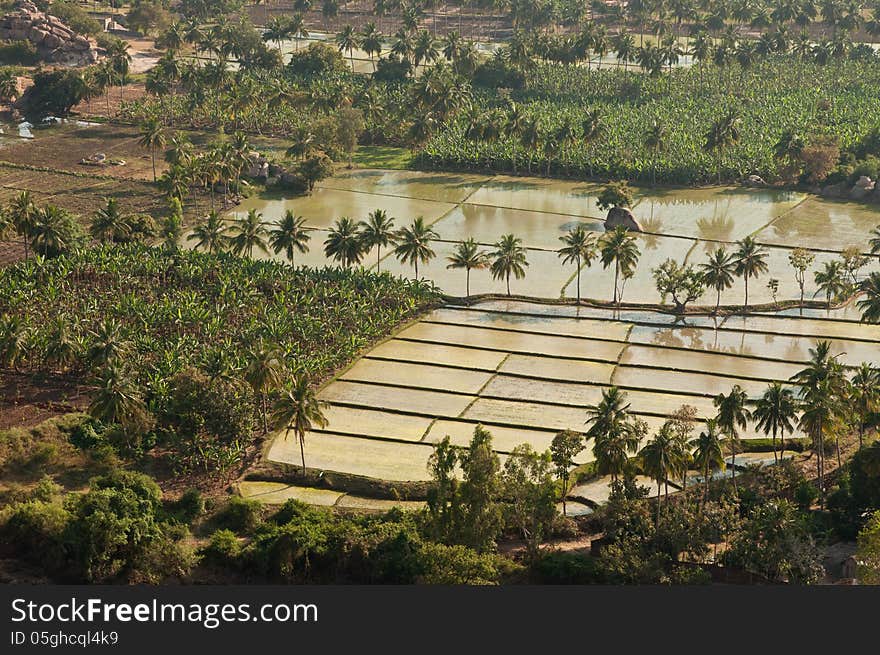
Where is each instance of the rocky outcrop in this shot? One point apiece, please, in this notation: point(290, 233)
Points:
point(754, 181)
point(55, 42)
point(622, 217)
point(863, 188)
point(833, 191)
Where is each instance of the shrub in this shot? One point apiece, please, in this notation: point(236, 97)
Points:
point(392, 70)
point(189, 506)
point(241, 515)
point(223, 549)
point(75, 17)
point(566, 568)
point(18, 53)
point(317, 60)
point(35, 532)
point(497, 73)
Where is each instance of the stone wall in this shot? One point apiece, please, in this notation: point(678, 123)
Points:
point(55, 42)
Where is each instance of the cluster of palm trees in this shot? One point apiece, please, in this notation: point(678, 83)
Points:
point(47, 230)
point(824, 400)
point(113, 71)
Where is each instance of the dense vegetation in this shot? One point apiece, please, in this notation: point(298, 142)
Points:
point(185, 347)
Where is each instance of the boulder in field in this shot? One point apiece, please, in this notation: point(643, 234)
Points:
point(754, 181)
point(863, 187)
point(622, 217)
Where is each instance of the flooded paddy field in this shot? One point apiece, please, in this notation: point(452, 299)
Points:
point(526, 371)
point(682, 224)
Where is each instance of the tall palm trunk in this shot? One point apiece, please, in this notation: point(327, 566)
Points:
point(302, 452)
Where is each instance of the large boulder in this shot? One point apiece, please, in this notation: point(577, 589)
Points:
point(55, 41)
point(754, 181)
point(622, 217)
point(863, 187)
point(833, 190)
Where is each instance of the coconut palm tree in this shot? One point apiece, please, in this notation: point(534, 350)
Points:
point(55, 231)
point(377, 232)
point(774, 414)
point(830, 281)
point(250, 233)
point(343, 244)
point(718, 272)
point(661, 460)
point(210, 234)
point(371, 42)
point(751, 261)
point(108, 345)
point(619, 247)
point(708, 453)
point(298, 410)
point(655, 141)
point(116, 399)
point(22, 213)
point(347, 39)
point(508, 258)
point(723, 135)
point(821, 410)
point(615, 436)
point(864, 395)
point(289, 236)
point(579, 247)
point(732, 417)
point(414, 244)
point(467, 255)
point(61, 348)
point(152, 138)
point(870, 304)
point(109, 224)
point(874, 241)
point(263, 373)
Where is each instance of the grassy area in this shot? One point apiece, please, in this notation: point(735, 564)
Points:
point(382, 157)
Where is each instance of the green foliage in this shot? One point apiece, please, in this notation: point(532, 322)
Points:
point(54, 93)
point(496, 73)
point(75, 17)
point(558, 567)
point(318, 59)
point(615, 194)
point(868, 552)
point(775, 542)
point(241, 515)
point(18, 53)
point(189, 507)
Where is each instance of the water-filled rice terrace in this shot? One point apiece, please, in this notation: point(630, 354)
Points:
point(682, 224)
point(527, 370)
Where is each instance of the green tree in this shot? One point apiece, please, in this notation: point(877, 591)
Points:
point(467, 255)
point(566, 445)
point(830, 281)
point(413, 244)
point(152, 138)
point(751, 261)
point(864, 395)
point(579, 246)
point(210, 234)
point(263, 373)
point(298, 410)
point(870, 304)
point(529, 488)
point(619, 247)
point(684, 284)
point(250, 233)
point(480, 489)
point(722, 135)
point(55, 232)
point(508, 258)
point(718, 273)
point(343, 244)
point(289, 236)
point(801, 260)
point(13, 340)
point(616, 436)
point(775, 413)
point(109, 224)
point(117, 400)
point(868, 551)
point(377, 232)
point(708, 453)
point(732, 416)
point(661, 459)
point(22, 213)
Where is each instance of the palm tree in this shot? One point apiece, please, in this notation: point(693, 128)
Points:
point(615, 437)
point(732, 417)
point(61, 349)
point(117, 399)
point(723, 134)
point(508, 258)
point(347, 39)
point(579, 247)
point(774, 414)
point(830, 280)
point(864, 395)
point(655, 141)
point(108, 223)
point(708, 453)
point(467, 255)
point(414, 244)
point(343, 244)
point(298, 410)
point(619, 247)
point(371, 42)
point(22, 214)
point(290, 235)
point(820, 414)
point(377, 232)
point(263, 374)
point(152, 138)
point(55, 231)
point(870, 304)
point(718, 272)
point(251, 233)
point(661, 460)
point(750, 262)
point(108, 345)
point(874, 241)
point(210, 234)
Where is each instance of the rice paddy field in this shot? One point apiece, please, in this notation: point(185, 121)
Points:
point(526, 370)
point(683, 224)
